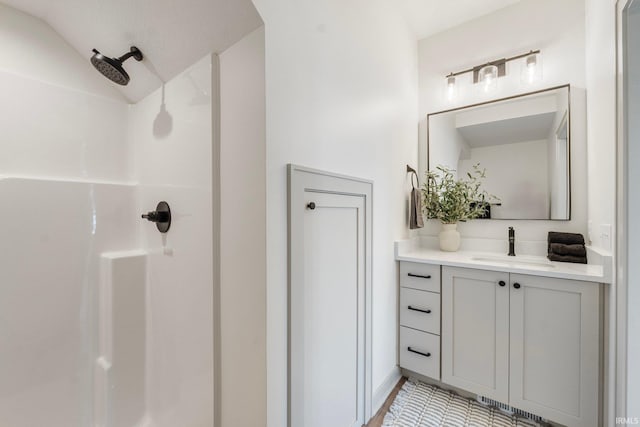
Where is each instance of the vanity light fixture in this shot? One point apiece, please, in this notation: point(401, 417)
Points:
point(452, 90)
point(531, 68)
point(488, 78)
point(487, 74)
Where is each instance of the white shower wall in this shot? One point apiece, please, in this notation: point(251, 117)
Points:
point(78, 166)
point(171, 131)
point(67, 196)
point(59, 118)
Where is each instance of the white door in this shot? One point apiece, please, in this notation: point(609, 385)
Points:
point(328, 302)
point(555, 349)
point(475, 331)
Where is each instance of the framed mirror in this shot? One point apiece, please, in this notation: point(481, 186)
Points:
point(523, 143)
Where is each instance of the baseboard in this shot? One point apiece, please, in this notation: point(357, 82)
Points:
point(384, 390)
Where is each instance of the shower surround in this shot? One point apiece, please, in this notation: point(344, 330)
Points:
point(88, 287)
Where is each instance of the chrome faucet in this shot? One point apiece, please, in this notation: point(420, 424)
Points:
point(512, 241)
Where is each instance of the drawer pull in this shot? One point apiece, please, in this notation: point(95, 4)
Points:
point(419, 309)
point(418, 276)
point(418, 352)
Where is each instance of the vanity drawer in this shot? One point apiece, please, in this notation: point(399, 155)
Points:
point(420, 352)
point(420, 310)
point(425, 277)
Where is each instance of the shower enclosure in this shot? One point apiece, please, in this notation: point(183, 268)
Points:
point(104, 320)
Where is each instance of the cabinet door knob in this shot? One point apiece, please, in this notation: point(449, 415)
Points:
point(502, 283)
point(516, 285)
point(311, 205)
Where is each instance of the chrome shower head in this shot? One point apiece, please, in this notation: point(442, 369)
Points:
point(112, 68)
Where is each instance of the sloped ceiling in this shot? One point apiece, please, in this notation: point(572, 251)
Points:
point(172, 34)
point(428, 17)
point(534, 127)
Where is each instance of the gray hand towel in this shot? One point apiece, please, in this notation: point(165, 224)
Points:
point(567, 258)
point(573, 250)
point(415, 218)
point(565, 238)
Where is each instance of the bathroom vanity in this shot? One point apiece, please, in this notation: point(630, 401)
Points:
point(522, 331)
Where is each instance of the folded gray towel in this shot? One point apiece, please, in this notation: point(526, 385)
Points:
point(565, 238)
point(567, 258)
point(573, 250)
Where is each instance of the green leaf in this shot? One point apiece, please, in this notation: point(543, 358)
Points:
point(451, 200)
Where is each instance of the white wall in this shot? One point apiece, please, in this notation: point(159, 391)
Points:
point(453, 147)
point(600, 45)
point(243, 233)
point(522, 195)
point(557, 166)
point(558, 29)
point(341, 96)
point(171, 132)
point(601, 117)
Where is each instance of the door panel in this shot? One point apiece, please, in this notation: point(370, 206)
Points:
point(554, 349)
point(329, 382)
point(333, 304)
point(475, 331)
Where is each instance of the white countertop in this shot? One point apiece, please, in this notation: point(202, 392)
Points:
point(521, 264)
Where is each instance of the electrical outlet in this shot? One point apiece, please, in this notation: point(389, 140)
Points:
point(605, 236)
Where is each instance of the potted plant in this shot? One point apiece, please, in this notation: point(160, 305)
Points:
point(453, 200)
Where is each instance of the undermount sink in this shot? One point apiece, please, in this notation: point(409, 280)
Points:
point(514, 261)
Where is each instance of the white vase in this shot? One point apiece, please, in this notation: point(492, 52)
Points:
point(449, 238)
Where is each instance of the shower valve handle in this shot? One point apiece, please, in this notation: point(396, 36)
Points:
point(155, 216)
point(161, 216)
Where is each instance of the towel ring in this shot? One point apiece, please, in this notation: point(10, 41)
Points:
point(413, 173)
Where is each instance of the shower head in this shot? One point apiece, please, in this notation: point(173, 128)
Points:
point(112, 68)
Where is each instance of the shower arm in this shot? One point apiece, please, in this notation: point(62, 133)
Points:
point(126, 56)
point(135, 52)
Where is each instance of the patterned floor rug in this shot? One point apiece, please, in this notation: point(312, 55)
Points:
point(421, 405)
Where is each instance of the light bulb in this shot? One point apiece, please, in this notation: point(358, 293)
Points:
point(451, 91)
point(488, 78)
point(531, 69)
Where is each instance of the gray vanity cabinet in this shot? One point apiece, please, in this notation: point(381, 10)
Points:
point(555, 348)
point(475, 331)
point(420, 318)
point(528, 341)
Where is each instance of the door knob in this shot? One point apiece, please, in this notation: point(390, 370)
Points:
point(516, 285)
point(501, 283)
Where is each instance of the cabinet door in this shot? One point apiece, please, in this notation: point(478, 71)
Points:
point(475, 331)
point(555, 348)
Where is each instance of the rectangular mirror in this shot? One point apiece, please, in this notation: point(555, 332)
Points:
point(522, 142)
